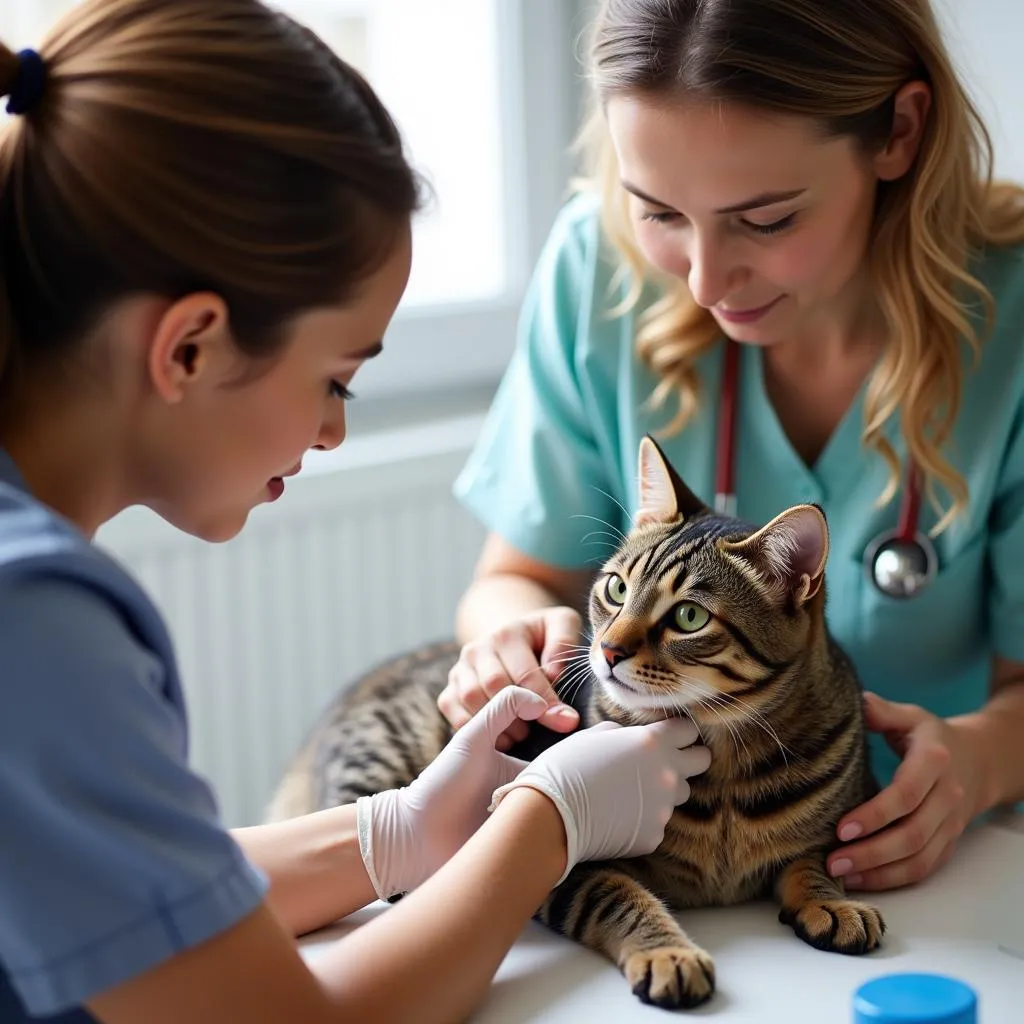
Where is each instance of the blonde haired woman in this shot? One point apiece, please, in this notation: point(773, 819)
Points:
point(812, 182)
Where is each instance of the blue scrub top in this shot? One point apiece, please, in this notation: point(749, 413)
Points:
point(558, 454)
point(112, 854)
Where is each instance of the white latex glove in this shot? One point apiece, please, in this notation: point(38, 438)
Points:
point(406, 834)
point(616, 786)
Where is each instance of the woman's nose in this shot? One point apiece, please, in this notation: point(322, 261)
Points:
point(332, 429)
point(711, 274)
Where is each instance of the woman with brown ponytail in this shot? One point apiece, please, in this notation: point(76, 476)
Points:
point(204, 232)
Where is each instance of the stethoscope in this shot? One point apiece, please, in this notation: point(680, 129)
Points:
point(899, 562)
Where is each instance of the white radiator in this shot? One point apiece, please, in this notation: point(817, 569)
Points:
point(364, 557)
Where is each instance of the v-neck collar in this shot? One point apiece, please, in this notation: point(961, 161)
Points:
point(831, 470)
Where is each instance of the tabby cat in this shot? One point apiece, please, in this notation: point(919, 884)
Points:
point(696, 614)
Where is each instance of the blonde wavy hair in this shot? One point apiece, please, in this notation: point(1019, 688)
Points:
point(840, 63)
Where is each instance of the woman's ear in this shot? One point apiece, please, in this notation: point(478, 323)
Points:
point(191, 341)
point(910, 117)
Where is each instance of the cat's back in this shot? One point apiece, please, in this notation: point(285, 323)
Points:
point(378, 733)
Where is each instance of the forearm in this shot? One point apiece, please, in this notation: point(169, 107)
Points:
point(998, 732)
point(448, 937)
point(492, 601)
point(315, 869)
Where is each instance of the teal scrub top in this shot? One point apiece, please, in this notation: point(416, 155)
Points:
point(557, 457)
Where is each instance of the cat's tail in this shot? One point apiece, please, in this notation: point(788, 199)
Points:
point(379, 733)
point(294, 794)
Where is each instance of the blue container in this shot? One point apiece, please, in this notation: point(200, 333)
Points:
point(915, 999)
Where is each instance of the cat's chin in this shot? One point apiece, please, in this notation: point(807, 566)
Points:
point(629, 699)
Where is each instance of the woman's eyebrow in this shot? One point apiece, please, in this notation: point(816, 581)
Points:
point(371, 352)
point(764, 199)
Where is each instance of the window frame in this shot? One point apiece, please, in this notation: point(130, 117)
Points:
point(467, 344)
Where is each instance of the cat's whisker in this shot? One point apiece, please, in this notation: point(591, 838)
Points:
point(569, 696)
point(762, 720)
point(565, 663)
point(625, 511)
point(518, 681)
point(613, 541)
point(568, 683)
point(572, 679)
point(611, 526)
point(573, 662)
point(576, 667)
point(572, 682)
point(683, 713)
point(708, 701)
point(737, 734)
point(759, 719)
point(749, 714)
point(574, 651)
point(702, 702)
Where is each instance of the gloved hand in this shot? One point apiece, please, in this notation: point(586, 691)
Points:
point(406, 834)
point(615, 786)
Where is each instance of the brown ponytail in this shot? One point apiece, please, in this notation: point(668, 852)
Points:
point(8, 75)
point(190, 144)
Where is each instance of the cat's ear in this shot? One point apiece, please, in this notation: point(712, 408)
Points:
point(663, 495)
point(791, 551)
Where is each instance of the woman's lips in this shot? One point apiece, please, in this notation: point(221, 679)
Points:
point(747, 316)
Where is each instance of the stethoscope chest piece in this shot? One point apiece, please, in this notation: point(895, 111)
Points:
point(900, 565)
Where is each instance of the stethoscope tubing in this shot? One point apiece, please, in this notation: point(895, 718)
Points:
point(906, 532)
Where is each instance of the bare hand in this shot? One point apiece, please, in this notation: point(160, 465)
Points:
point(531, 652)
point(912, 827)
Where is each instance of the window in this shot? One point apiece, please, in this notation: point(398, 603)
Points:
point(435, 66)
point(485, 93)
point(983, 37)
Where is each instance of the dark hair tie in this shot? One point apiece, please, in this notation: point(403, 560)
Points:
point(28, 83)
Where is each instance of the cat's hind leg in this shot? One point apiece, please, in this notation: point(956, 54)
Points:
point(605, 909)
point(818, 910)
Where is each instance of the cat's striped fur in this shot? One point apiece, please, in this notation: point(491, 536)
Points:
point(774, 697)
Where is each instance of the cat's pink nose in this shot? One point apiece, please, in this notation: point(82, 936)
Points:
point(613, 654)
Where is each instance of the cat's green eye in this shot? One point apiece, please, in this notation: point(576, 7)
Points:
point(616, 589)
point(690, 617)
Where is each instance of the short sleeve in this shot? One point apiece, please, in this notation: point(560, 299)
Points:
point(1006, 551)
point(537, 476)
point(112, 857)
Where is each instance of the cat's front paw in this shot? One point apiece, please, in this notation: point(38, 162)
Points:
point(671, 976)
point(837, 926)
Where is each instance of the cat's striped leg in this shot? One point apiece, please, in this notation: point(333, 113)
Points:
point(815, 906)
point(605, 909)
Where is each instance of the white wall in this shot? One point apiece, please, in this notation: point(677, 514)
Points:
point(986, 38)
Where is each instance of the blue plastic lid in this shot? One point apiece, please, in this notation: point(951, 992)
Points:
point(915, 999)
